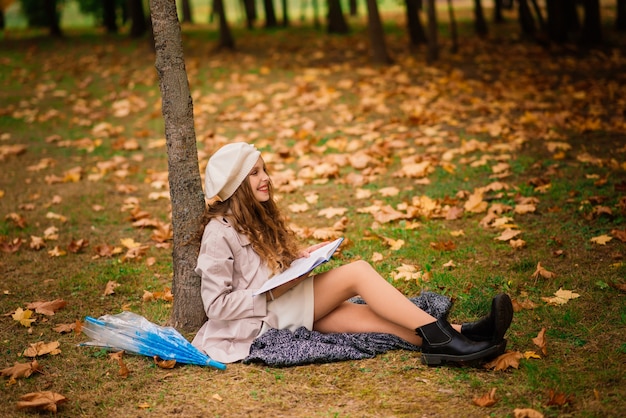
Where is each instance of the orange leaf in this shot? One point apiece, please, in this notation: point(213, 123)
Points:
point(40, 349)
point(541, 341)
point(47, 308)
point(164, 364)
point(504, 361)
point(45, 401)
point(21, 370)
point(559, 399)
point(542, 272)
point(488, 399)
point(110, 287)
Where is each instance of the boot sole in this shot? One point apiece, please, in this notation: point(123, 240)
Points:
point(431, 359)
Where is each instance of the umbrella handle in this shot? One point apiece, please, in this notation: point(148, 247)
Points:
point(216, 364)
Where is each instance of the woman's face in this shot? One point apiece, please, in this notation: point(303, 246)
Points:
point(260, 181)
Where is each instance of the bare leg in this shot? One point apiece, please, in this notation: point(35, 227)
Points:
point(387, 310)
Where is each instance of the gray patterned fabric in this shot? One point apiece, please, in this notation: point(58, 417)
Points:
point(284, 348)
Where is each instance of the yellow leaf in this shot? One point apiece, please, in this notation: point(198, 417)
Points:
point(526, 413)
point(531, 354)
point(23, 316)
point(601, 240)
point(561, 297)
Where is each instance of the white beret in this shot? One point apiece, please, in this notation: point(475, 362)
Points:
point(228, 168)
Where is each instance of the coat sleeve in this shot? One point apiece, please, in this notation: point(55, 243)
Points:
point(227, 293)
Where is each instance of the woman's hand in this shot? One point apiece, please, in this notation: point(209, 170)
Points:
point(307, 252)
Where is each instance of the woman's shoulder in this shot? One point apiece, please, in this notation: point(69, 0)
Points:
point(221, 227)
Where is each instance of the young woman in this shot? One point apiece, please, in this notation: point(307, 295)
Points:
point(246, 241)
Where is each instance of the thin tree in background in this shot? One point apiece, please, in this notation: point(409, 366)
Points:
point(109, 16)
point(413, 23)
point(336, 20)
point(270, 14)
point(377, 34)
point(226, 40)
point(138, 24)
point(187, 13)
point(592, 23)
point(54, 28)
point(433, 47)
point(620, 20)
point(453, 32)
point(188, 202)
point(480, 24)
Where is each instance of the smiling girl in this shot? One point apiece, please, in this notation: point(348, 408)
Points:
point(246, 241)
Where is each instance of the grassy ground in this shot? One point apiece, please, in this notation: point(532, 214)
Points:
point(525, 125)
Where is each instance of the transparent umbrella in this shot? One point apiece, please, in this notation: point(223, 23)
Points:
point(135, 334)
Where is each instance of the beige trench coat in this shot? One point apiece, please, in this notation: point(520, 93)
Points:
point(231, 271)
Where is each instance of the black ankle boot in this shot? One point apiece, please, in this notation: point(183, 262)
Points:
point(441, 342)
point(493, 326)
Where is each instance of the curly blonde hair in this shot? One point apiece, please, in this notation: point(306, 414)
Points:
point(262, 223)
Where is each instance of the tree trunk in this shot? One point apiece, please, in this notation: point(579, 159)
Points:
point(186, 8)
point(377, 34)
point(413, 23)
point(592, 25)
point(526, 18)
point(542, 23)
point(557, 28)
point(433, 47)
point(620, 20)
point(453, 31)
point(497, 12)
point(53, 18)
point(188, 202)
point(2, 23)
point(285, 5)
point(109, 16)
point(138, 25)
point(354, 8)
point(336, 20)
point(250, 9)
point(226, 40)
point(270, 14)
point(480, 24)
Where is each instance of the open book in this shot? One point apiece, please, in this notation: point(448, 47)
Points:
point(301, 266)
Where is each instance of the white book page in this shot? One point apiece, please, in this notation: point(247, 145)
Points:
point(301, 266)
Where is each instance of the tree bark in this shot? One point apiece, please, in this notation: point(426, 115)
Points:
point(480, 24)
point(336, 20)
point(188, 201)
point(377, 34)
point(433, 47)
